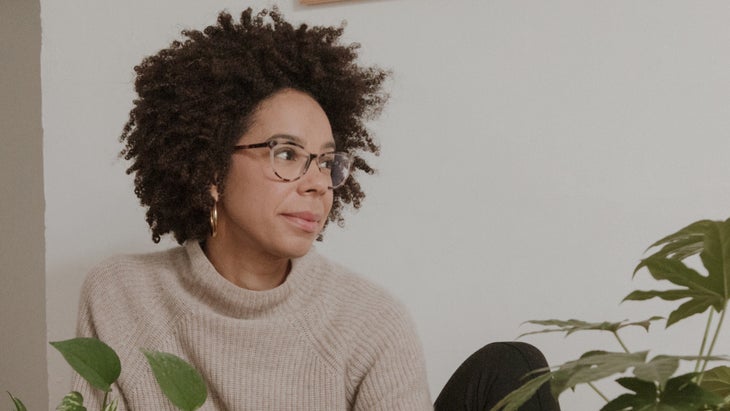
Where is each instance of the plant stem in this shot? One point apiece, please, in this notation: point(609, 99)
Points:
point(106, 396)
point(714, 340)
point(615, 334)
point(590, 384)
point(704, 340)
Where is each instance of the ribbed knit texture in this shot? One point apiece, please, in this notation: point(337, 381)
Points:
point(325, 339)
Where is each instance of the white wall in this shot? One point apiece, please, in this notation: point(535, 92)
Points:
point(531, 151)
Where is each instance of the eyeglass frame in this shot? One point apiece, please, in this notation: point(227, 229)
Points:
point(310, 156)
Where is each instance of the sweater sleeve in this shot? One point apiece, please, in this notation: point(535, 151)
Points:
point(86, 327)
point(392, 365)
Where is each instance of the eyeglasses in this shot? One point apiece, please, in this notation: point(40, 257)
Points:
point(290, 161)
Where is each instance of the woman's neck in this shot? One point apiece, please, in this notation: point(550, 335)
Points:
point(246, 269)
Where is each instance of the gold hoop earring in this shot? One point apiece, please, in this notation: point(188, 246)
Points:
point(214, 219)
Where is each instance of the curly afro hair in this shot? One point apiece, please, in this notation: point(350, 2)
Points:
point(197, 97)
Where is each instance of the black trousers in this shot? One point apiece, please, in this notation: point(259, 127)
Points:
point(491, 373)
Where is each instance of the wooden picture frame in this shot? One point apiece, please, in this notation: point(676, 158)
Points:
point(310, 2)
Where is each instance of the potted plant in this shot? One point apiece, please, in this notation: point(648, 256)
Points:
point(99, 365)
point(651, 380)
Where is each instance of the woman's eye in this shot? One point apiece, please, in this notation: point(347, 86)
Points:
point(286, 154)
point(326, 162)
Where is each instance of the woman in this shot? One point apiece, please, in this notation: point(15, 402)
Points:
point(242, 141)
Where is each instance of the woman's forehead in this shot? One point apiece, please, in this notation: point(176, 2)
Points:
point(292, 115)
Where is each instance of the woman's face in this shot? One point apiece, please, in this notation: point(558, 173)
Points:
point(258, 212)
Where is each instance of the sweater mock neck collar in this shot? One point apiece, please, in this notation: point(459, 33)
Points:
point(229, 300)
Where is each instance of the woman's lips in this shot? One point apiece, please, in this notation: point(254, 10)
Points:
point(306, 221)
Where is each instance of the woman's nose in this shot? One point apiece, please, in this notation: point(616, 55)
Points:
point(314, 179)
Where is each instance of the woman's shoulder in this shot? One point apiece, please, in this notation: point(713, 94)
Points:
point(125, 289)
point(349, 293)
point(354, 320)
point(132, 270)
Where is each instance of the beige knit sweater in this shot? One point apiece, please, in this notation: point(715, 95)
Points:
point(324, 340)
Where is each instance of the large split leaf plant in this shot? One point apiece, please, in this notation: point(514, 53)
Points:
point(655, 382)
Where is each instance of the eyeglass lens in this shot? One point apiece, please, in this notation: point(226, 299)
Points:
point(291, 162)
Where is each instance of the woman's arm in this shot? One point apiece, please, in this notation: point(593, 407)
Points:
point(392, 365)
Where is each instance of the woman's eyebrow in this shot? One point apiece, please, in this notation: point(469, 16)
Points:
point(294, 139)
point(299, 141)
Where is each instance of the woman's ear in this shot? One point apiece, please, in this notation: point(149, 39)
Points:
point(214, 192)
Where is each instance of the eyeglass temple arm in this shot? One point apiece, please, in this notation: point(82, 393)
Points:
point(257, 145)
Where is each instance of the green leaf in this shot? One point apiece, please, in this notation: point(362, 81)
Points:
point(682, 244)
point(95, 361)
point(640, 387)
point(179, 381)
point(594, 366)
point(112, 406)
point(622, 403)
point(679, 394)
point(513, 400)
point(702, 291)
point(683, 394)
point(716, 259)
point(19, 406)
point(674, 271)
point(717, 380)
point(571, 326)
point(668, 295)
point(652, 381)
point(645, 394)
point(73, 401)
point(659, 369)
point(711, 239)
point(698, 228)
